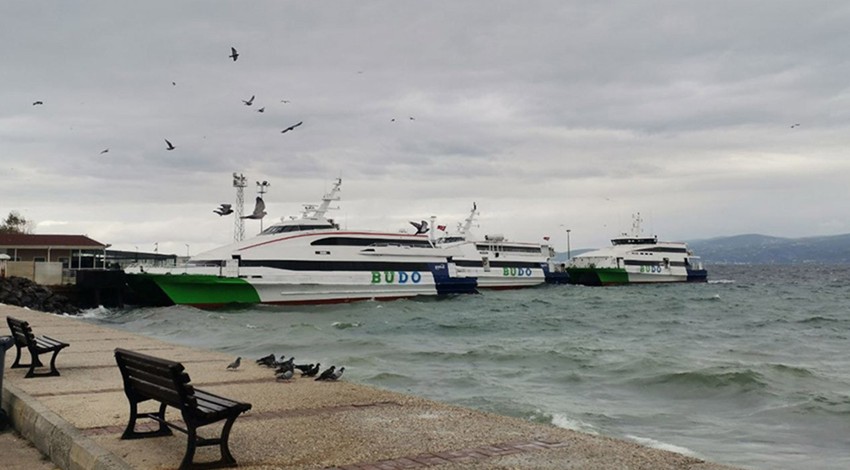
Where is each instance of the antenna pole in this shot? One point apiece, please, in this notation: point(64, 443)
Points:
point(239, 182)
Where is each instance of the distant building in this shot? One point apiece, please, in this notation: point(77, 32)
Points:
point(50, 259)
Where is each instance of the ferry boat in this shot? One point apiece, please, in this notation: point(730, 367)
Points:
point(499, 263)
point(634, 258)
point(308, 260)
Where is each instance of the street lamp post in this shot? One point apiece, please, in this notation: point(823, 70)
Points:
point(569, 255)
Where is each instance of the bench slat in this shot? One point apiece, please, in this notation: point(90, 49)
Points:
point(149, 390)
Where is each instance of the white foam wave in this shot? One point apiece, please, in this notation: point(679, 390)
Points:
point(563, 421)
point(648, 442)
point(721, 281)
point(95, 313)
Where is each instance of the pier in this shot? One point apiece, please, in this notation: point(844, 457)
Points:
point(76, 419)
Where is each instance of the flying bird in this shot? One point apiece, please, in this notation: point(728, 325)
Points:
point(262, 110)
point(36, 103)
point(259, 210)
point(104, 151)
point(284, 101)
point(421, 227)
point(312, 372)
point(170, 147)
point(233, 54)
point(249, 102)
point(173, 83)
point(411, 118)
point(225, 209)
point(795, 125)
point(291, 127)
point(327, 374)
point(235, 364)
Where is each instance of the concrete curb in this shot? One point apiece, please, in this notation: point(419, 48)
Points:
point(66, 446)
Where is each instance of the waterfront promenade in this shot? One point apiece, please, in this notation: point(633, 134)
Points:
point(76, 419)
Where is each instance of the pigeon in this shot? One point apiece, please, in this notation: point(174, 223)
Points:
point(259, 210)
point(337, 374)
point(104, 151)
point(36, 103)
point(285, 375)
point(262, 110)
point(170, 147)
point(327, 374)
point(285, 365)
point(421, 227)
point(225, 209)
point(304, 367)
point(312, 372)
point(249, 102)
point(233, 54)
point(291, 127)
point(265, 360)
point(235, 364)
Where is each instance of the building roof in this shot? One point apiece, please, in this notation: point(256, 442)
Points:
point(28, 240)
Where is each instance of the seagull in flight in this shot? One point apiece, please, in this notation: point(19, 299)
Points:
point(259, 210)
point(284, 101)
point(36, 103)
point(262, 110)
point(233, 54)
point(104, 151)
point(225, 209)
point(421, 227)
point(291, 127)
point(249, 102)
point(795, 125)
point(170, 147)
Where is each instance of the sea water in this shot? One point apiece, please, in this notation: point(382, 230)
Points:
point(751, 369)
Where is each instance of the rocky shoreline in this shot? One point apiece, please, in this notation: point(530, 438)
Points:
point(22, 292)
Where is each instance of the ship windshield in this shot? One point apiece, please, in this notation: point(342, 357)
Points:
point(295, 228)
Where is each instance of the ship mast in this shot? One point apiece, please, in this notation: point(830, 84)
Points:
point(463, 229)
point(313, 212)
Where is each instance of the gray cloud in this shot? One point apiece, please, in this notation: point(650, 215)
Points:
point(548, 114)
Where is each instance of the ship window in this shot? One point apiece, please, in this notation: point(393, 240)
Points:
point(356, 241)
point(295, 228)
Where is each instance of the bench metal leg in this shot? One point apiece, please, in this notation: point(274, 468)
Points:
point(17, 364)
point(131, 433)
point(195, 441)
point(37, 363)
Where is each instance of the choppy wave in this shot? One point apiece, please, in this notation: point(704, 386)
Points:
point(719, 364)
point(664, 446)
point(708, 379)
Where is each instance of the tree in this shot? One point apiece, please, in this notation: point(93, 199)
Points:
point(16, 223)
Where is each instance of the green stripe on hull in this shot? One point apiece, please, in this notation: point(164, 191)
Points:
point(202, 289)
point(598, 276)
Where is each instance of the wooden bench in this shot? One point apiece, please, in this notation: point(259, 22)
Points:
point(152, 378)
point(24, 338)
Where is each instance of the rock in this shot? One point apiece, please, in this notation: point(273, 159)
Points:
point(25, 293)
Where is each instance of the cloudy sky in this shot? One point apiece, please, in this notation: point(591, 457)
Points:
point(549, 114)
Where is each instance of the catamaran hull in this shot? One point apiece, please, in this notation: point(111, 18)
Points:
point(283, 287)
point(618, 276)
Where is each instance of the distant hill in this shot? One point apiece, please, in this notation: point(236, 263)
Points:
point(764, 249)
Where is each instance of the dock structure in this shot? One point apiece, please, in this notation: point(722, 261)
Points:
point(77, 419)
